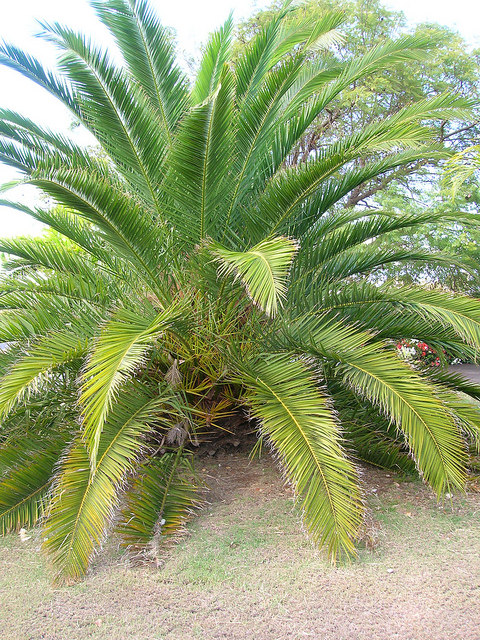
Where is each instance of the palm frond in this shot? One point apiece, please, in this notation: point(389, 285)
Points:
point(16, 59)
point(297, 420)
point(117, 353)
point(388, 383)
point(263, 270)
point(367, 303)
point(25, 486)
point(260, 55)
point(84, 501)
point(215, 56)
point(50, 351)
point(149, 53)
point(114, 110)
point(160, 501)
point(199, 182)
point(75, 228)
point(124, 223)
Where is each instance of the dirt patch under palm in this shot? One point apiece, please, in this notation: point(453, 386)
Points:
point(246, 570)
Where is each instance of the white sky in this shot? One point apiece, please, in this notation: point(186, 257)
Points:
point(192, 20)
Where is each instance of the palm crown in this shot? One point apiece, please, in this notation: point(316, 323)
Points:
point(195, 275)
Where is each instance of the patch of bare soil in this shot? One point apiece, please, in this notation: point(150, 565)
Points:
point(245, 570)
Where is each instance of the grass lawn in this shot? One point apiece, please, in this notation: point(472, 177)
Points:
point(245, 570)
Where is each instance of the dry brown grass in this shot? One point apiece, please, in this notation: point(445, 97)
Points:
point(247, 571)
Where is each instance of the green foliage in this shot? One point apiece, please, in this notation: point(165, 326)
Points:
point(299, 424)
point(84, 499)
point(25, 484)
point(417, 186)
point(263, 270)
point(196, 270)
point(463, 166)
point(119, 350)
point(160, 500)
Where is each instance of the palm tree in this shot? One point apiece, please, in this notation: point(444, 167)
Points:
point(195, 279)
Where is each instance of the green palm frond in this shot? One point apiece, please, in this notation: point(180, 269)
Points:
point(16, 59)
point(285, 193)
point(20, 324)
point(379, 57)
point(330, 236)
point(358, 261)
point(39, 306)
point(83, 500)
point(25, 484)
point(34, 366)
point(314, 35)
point(109, 114)
point(257, 119)
point(298, 421)
point(117, 353)
point(57, 290)
point(263, 270)
point(369, 304)
point(466, 413)
point(199, 182)
point(454, 380)
point(149, 53)
point(73, 227)
point(160, 501)
point(125, 225)
point(261, 54)
point(388, 383)
point(27, 133)
point(215, 56)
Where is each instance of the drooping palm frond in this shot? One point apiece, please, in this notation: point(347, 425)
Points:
point(431, 433)
point(390, 384)
point(26, 481)
point(159, 502)
point(50, 352)
point(454, 381)
point(299, 423)
point(16, 59)
point(466, 413)
point(371, 305)
point(83, 500)
point(119, 216)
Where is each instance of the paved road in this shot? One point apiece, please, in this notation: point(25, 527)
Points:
point(470, 371)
